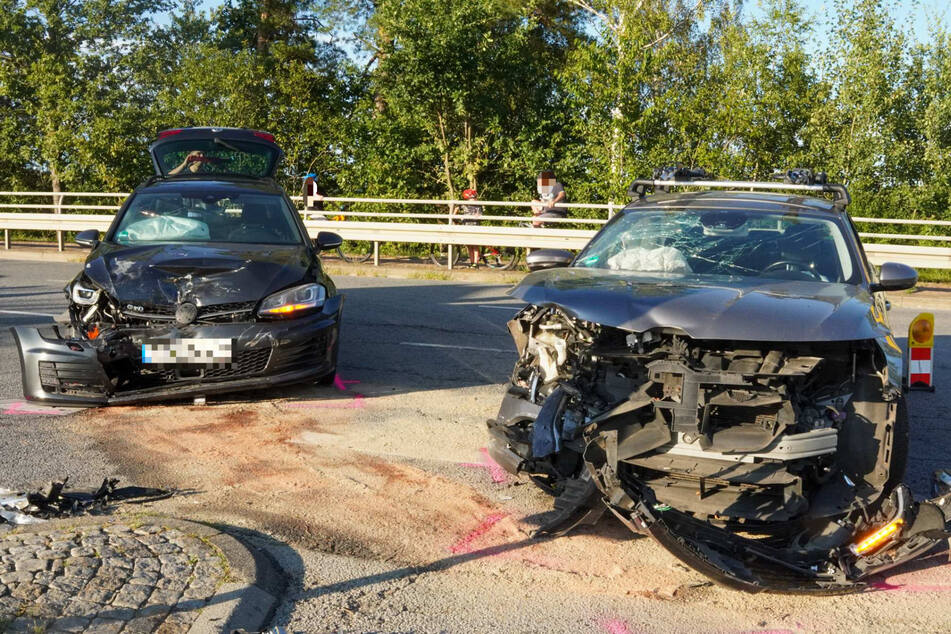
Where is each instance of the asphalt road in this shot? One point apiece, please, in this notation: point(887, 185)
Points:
point(428, 359)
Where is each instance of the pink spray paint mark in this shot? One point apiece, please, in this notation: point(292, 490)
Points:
point(614, 626)
point(496, 472)
point(342, 384)
point(465, 545)
point(17, 408)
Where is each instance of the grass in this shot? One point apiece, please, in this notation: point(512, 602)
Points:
point(222, 560)
point(934, 276)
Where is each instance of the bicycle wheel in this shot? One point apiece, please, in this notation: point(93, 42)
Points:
point(439, 254)
point(356, 253)
point(500, 257)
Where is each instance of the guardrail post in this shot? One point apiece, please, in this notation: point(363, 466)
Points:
point(57, 201)
point(610, 209)
point(6, 238)
point(450, 247)
point(376, 253)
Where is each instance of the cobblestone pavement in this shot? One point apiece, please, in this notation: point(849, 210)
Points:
point(109, 577)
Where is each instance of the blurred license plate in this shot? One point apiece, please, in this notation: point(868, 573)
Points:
point(187, 351)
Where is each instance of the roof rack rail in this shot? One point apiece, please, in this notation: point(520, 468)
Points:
point(794, 180)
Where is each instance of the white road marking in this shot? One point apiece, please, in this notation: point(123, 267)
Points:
point(23, 312)
point(440, 345)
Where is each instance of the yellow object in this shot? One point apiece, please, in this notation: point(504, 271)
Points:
point(288, 308)
point(877, 538)
point(921, 331)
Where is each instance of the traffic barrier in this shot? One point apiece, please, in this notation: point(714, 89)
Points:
point(443, 228)
point(921, 353)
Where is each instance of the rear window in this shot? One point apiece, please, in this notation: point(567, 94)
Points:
point(227, 216)
point(215, 156)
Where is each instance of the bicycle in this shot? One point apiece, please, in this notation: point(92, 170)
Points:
point(363, 251)
point(501, 258)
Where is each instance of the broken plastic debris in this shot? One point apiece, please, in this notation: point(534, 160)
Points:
point(53, 501)
point(13, 517)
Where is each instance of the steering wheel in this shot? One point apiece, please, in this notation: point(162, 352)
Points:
point(794, 266)
point(245, 228)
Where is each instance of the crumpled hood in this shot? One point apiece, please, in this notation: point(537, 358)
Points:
point(161, 274)
point(747, 309)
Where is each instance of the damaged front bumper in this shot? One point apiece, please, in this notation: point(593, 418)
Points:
point(867, 544)
point(60, 368)
point(903, 530)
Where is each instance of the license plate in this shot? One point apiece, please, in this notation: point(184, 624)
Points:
point(204, 352)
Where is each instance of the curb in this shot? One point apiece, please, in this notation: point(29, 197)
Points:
point(254, 583)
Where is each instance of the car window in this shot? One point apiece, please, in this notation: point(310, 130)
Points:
point(723, 242)
point(234, 216)
point(215, 156)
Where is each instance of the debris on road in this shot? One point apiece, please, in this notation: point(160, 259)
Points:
point(55, 502)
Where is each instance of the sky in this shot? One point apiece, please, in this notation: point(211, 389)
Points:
point(916, 14)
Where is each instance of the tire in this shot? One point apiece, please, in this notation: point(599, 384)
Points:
point(503, 258)
point(359, 256)
point(438, 253)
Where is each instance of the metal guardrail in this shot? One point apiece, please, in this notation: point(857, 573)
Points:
point(442, 230)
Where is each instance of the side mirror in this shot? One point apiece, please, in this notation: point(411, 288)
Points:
point(895, 277)
point(548, 259)
point(88, 238)
point(327, 240)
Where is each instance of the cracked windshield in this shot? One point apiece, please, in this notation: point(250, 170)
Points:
point(710, 242)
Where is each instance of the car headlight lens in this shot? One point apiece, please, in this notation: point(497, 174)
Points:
point(292, 301)
point(84, 295)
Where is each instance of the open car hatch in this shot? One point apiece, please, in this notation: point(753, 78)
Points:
point(215, 151)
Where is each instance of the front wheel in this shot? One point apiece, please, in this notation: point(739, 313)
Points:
point(439, 254)
point(504, 258)
point(356, 253)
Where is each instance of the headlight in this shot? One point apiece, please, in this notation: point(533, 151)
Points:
point(84, 295)
point(291, 301)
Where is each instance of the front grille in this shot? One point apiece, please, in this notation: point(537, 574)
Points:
point(227, 312)
point(234, 311)
point(302, 356)
point(247, 363)
point(70, 377)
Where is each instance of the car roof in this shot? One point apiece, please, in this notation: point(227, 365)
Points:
point(734, 200)
point(210, 184)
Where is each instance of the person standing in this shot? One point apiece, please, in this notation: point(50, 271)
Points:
point(472, 213)
point(550, 193)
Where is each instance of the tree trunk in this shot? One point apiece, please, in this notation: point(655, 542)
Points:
point(471, 169)
point(263, 34)
point(57, 188)
point(444, 149)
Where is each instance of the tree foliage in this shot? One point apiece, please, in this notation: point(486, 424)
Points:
point(428, 97)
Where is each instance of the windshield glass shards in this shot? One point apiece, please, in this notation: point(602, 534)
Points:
point(227, 216)
point(706, 242)
point(216, 156)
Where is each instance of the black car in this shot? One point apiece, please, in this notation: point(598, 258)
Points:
point(205, 282)
point(716, 368)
